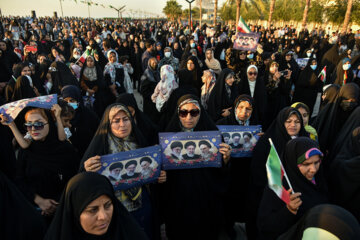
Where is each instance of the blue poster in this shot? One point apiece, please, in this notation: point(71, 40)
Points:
point(132, 168)
point(11, 110)
point(182, 150)
point(242, 139)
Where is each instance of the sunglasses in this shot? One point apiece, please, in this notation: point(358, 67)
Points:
point(36, 125)
point(252, 73)
point(193, 113)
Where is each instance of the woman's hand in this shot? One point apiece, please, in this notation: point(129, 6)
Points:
point(260, 134)
point(48, 206)
point(93, 164)
point(225, 112)
point(162, 177)
point(4, 121)
point(225, 150)
point(295, 202)
point(57, 110)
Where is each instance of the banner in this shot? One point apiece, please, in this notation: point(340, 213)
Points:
point(302, 62)
point(210, 32)
point(132, 168)
point(11, 110)
point(242, 139)
point(246, 41)
point(182, 150)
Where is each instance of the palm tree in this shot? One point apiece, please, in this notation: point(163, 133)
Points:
point(215, 11)
point(238, 6)
point(272, 6)
point(200, 2)
point(172, 9)
point(347, 16)
point(306, 10)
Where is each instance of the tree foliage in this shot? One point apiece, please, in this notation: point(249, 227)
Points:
point(172, 9)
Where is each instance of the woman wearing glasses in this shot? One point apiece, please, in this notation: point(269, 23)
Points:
point(45, 163)
point(193, 204)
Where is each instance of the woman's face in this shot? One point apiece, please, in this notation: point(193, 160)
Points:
point(26, 71)
point(230, 80)
point(273, 68)
point(90, 62)
point(190, 65)
point(40, 129)
point(95, 219)
point(3, 46)
point(305, 115)
point(112, 57)
point(310, 167)
point(208, 54)
point(244, 110)
point(189, 121)
point(293, 125)
point(121, 125)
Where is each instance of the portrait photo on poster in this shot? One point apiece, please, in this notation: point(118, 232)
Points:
point(182, 150)
point(132, 168)
point(246, 41)
point(242, 139)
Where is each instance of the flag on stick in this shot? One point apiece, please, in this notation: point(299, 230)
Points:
point(242, 27)
point(275, 172)
point(322, 75)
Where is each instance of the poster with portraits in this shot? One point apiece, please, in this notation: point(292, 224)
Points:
point(302, 62)
point(246, 41)
point(132, 168)
point(182, 150)
point(242, 139)
point(11, 110)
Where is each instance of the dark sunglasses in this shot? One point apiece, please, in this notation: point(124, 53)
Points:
point(252, 73)
point(36, 125)
point(193, 113)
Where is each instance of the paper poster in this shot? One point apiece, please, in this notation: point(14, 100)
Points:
point(11, 110)
point(302, 62)
point(246, 41)
point(210, 32)
point(132, 168)
point(242, 139)
point(181, 150)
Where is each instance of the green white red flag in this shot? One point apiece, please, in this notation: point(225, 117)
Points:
point(242, 27)
point(275, 173)
point(322, 75)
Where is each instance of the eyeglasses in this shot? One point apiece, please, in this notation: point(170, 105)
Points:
point(252, 73)
point(36, 125)
point(193, 113)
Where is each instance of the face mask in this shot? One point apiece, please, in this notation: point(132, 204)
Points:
point(348, 106)
point(73, 105)
point(98, 40)
point(308, 54)
point(346, 67)
point(76, 56)
point(250, 56)
point(167, 54)
point(192, 45)
point(313, 67)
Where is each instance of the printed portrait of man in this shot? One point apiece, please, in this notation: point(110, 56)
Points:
point(226, 137)
point(205, 147)
point(176, 148)
point(247, 146)
point(146, 169)
point(236, 141)
point(130, 168)
point(190, 151)
point(115, 169)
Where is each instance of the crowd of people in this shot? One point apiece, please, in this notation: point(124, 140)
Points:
point(189, 81)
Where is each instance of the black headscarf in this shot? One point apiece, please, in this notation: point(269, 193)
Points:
point(219, 98)
point(61, 77)
point(78, 194)
point(330, 218)
point(22, 89)
point(146, 126)
point(331, 94)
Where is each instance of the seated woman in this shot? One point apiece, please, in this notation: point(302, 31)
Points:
point(24, 88)
point(305, 113)
point(118, 132)
point(302, 160)
point(190, 193)
point(92, 213)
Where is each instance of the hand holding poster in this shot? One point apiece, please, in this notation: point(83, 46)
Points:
point(182, 150)
point(246, 41)
point(132, 168)
point(242, 139)
point(11, 110)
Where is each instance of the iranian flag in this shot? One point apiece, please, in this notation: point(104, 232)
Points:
point(242, 27)
point(84, 56)
point(322, 75)
point(275, 173)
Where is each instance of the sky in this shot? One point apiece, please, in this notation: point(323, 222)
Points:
point(71, 8)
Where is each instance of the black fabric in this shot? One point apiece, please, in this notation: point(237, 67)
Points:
point(330, 59)
point(332, 117)
point(344, 181)
point(61, 77)
point(84, 123)
point(45, 166)
point(22, 89)
point(7, 154)
point(19, 219)
point(193, 197)
point(330, 95)
point(274, 218)
point(338, 75)
point(219, 98)
point(331, 218)
point(78, 194)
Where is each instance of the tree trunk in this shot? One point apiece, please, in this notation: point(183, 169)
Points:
point(200, 13)
point(347, 16)
point(238, 6)
point(306, 10)
point(272, 6)
point(215, 11)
